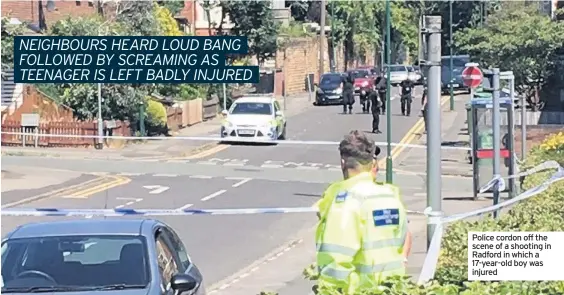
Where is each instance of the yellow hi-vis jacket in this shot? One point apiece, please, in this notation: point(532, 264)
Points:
point(360, 237)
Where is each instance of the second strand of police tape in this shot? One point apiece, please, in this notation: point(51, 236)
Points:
point(431, 260)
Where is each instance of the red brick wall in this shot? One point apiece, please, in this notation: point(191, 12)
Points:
point(28, 10)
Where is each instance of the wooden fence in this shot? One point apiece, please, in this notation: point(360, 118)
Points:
point(68, 129)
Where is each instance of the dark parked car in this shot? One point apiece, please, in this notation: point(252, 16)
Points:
point(86, 257)
point(330, 89)
point(458, 65)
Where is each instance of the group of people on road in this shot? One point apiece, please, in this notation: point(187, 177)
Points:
point(376, 100)
point(362, 236)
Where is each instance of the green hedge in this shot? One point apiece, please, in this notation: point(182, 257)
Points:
point(544, 212)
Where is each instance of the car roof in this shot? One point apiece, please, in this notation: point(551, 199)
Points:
point(131, 227)
point(255, 99)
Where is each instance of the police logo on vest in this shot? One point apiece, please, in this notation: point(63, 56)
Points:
point(341, 197)
point(386, 217)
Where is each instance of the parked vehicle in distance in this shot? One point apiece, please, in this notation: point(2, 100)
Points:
point(398, 74)
point(88, 257)
point(330, 89)
point(255, 118)
point(458, 65)
point(415, 75)
point(373, 70)
point(363, 82)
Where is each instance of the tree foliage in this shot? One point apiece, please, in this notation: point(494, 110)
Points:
point(9, 31)
point(174, 6)
point(518, 38)
point(254, 19)
point(166, 22)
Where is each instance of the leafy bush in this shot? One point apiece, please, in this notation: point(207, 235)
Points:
point(544, 212)
point(156, 117)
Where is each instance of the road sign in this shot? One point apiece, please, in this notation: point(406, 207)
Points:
point(472, 76)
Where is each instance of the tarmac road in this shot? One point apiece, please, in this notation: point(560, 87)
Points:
point(223, 245)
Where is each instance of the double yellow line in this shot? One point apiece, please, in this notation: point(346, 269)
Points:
point(77, 191)
point(409, 136)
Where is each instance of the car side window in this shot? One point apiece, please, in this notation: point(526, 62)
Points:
point(165, 260)
point(178, 248)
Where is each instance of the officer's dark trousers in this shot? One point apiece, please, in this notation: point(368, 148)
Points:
point(406, 105)
point(382, 96)
point(348, 100)
point(375, 119)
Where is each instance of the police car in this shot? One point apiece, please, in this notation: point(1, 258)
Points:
point(254, 118)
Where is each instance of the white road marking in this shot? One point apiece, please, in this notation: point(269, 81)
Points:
point(178, 161)
point(271, 166)
point(234, 164)
point(165, 175)
point(130, 174)
point(307, 168)
point(241, 182)
point(156, 189)
point(200, 176)
point(209, 197)
point(207, 163)
point(119, 206)
point(185, 207)
point(129, 199)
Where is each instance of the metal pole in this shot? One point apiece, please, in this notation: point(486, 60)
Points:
point(433, 29)
point(450, 49)
point(523, 123)
point(333, 64)
point(389, 162)
point(224, 97)
point(100, 122)
point(496, 135)
point(321, 41)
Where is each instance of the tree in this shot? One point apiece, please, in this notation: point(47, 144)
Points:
point(138, 17)
point(518, 38)
point(254, 19)
point(166, 22)
point(8, 33)
point(174, 6)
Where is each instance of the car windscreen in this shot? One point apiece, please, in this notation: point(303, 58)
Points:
point(331, 79)
point(74, 262)
point(359, 74)
point(398, 69)
point(457, 62)
point(251, 108)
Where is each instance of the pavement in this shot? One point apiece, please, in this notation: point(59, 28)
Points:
point(240, 254)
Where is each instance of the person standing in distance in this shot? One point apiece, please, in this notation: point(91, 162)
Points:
point(406, 96)
point(361, 236)
point(375, 107)
point(381, 87)
point(348, 94)
point(424, 105)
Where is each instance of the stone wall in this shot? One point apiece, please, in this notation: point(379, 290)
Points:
point(300, 57)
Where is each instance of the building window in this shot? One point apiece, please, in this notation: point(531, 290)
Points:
point(77, 3)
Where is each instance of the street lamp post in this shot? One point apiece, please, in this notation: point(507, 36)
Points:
point(389, 167)
point(450, 48)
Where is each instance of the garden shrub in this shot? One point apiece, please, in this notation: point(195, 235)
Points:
point(544, 212)
point(156, 117)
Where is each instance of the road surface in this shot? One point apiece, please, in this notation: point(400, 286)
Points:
point(226, 177)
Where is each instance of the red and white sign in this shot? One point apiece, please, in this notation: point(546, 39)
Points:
point(472, 76)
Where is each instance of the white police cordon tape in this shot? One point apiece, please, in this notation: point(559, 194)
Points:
point(220, 139)
point(162, 212)
point(541, 167)
point(432, 258)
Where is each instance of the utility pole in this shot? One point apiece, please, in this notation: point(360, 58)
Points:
point(389, 161)
point(100, 144)
point(450, 49)
point(496, 135)
point(322, 40)
point(432, 32)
